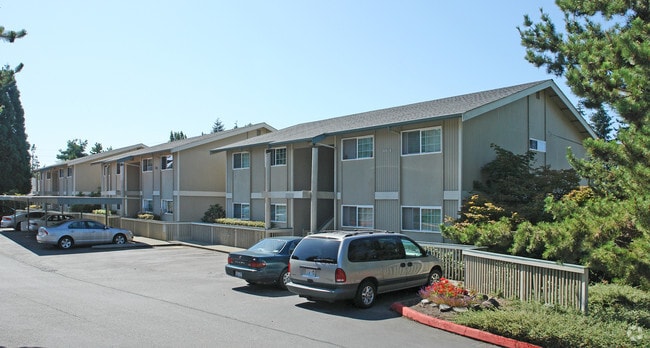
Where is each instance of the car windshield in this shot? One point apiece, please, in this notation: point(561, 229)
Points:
point(268, 245)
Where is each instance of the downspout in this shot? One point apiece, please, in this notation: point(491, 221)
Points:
point(176, 183)
point(460, 163)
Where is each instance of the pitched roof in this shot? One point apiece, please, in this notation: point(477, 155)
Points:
point(94, 157)
point(184, 144)
point(456, 106)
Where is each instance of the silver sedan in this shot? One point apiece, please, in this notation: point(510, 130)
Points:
point(74, 232)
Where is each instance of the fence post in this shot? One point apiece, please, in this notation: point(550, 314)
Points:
point(585, 289)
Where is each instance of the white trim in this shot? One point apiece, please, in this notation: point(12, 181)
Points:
point(200, 193)
point(386, 195)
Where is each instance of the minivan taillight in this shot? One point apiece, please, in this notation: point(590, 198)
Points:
point(339, 276)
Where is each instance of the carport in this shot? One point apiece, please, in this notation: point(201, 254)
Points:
point(105, 202)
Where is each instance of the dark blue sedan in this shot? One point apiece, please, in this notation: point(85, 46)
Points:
point(266, 262)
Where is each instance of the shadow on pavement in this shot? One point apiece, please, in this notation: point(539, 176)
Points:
point(263, 290)
point(28, 241)
point(381, 310)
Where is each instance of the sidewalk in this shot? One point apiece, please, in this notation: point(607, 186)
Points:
point(150, 242)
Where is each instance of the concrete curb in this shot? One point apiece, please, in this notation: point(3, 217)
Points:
point(459, 329)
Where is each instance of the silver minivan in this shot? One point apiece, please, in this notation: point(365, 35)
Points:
point(358, 265)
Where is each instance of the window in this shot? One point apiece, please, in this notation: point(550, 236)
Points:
point(118, 170)
point(147, 205)
point(426, 219)
point(241, 160)
point(537, 145)
point(242, 211)
point(107, 169)
point(147, 165)
point(69, 172)
point(61, 173)
point(358, 216)
point(422, 141)
point(167, 206)
point(278, 157)
point(48, 175)
point(166, 162)
point(279, 212)
point(358, 148)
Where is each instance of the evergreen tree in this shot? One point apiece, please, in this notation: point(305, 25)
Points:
point(15, 171)
point(75, 149)
point(604, 54)
point(97, 148)
point(173, 136)
point(218, 126)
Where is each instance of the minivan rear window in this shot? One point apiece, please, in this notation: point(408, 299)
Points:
point(317, 249)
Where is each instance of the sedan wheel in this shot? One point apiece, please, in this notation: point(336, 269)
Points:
point(285, 277)
point(119, 239)
point(65, 242)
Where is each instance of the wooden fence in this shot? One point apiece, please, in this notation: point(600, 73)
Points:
point(451, 258)
point(527, 279)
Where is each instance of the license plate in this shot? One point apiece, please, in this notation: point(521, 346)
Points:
point(310, 273)
point(238, 274)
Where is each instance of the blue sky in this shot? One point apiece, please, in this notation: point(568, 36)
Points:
point(126, 72)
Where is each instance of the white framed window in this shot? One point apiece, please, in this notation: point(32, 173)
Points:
point(70, 172)
point(48, 175)
point(147, 205)
point(358, 148)
point(61, 173)
point(147, 165)
point(241, 160)
point(537, 145)
point(422, 141)
point(166, 162)
point(118, 169)
point(421, 219)
point(278, 156)
point(242, 211)
point(358, 216)
point(167, 206)
point(279, 212)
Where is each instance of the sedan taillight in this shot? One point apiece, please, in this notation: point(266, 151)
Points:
point(256, 264)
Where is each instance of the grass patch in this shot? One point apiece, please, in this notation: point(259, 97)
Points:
point(618, 317)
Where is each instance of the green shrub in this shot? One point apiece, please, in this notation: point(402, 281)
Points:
point(214, 212)
point(248, 223)
point(620, 302)
point(147, 216)
point(550, 326)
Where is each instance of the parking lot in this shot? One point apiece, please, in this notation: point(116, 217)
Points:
point(169, 296)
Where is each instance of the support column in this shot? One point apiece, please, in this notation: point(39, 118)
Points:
point(267, 187)
point(314, 190)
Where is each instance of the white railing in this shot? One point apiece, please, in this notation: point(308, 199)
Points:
point(203, 233)
point(527, 279)
point(450, 256)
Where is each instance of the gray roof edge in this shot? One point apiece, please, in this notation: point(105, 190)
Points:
point(223, 135)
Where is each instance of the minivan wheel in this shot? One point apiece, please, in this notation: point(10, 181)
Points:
point(434, 276)
point(366, 294)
